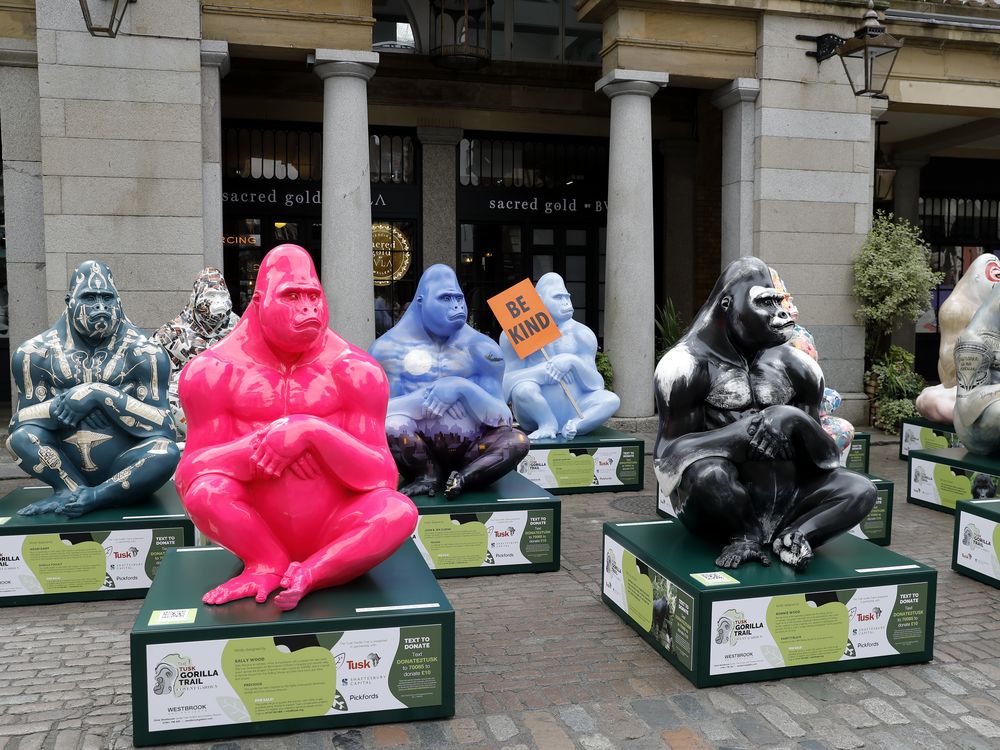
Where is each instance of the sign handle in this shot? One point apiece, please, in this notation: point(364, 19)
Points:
point(565, 388)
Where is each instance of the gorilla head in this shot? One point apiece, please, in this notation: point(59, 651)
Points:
point(552, 289)
point(164, 678)
point(289, 301)
point(723, 628)
point(982, 486)
point(92, 303)
point(745, 308)
point(210, 305)
point(441, 302)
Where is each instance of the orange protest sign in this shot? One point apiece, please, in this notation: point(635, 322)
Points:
point(524, 318)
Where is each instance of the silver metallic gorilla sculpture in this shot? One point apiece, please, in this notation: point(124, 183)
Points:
point(207, 319)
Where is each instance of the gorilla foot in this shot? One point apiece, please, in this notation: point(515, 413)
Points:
point(425, 485)
point(296, 583)
point(569, 429)
point(453, 487)
point(544, 432)
point(793, 549)
point(249, 583)
point(83, 501)
point(52, 504)
point(741, 551)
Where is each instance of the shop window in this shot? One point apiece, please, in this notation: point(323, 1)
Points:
point(531, 164)
point(544, 31)
point(272, 154)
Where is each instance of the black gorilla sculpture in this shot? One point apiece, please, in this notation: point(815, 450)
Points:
point(740, 449)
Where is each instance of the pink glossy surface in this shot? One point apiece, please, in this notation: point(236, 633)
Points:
point(286, 462)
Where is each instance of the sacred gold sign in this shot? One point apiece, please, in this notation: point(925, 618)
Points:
point(390, 254)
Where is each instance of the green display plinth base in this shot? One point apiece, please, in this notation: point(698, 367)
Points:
point(603, 461)
point(877, 526)
point(941, 477)
point(512, 526)
point(379, 649)
point(974, 552)
point(856, 606)
point(917, 433)
point(108, 554)
point(858, 455)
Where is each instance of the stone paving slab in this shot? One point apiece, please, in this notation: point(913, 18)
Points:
point(542, 664)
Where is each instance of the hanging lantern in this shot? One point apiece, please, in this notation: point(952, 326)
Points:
point(868, 57)
point(461, 33)
point(104, 17)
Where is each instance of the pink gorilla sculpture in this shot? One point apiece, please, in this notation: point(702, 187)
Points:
point(286, 463)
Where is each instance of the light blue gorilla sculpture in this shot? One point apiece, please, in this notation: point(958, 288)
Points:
point(534, 385)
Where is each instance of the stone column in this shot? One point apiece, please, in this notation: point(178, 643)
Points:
point(676, 269)
point(736, 100)
point(347, 214)
point(906, 186)
point(630, 292)
point(438, 173)
point(214, 66)
point(20, 135)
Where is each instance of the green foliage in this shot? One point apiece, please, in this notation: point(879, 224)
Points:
point(892, 279)
point(607, 371)
point(894, 376)
point(891, 413)
point(669, 327)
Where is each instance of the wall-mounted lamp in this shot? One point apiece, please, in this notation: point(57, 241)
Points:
point(868, 57)
point(100, 9)
point(461, 33)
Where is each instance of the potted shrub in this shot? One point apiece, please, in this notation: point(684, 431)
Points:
point(896, 386)
point(892, 280)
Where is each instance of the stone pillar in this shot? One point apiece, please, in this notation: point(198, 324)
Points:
point(121, 139)
point(812, 191)
point(630, 292)
point(214, 66)
point(347, 214)
point(906, 186)
point(438, 173)
point(20, 135)
point(676, 268)
point(736, 100)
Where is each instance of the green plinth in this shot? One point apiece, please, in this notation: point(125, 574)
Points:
point(939, 478)
point(974, 551)
point(112, 553)
point(876, 527)
point(917, 433)
point(856, 606)
point(380, 649)
point(604, 460)
point(858, 455)
point(512, 526)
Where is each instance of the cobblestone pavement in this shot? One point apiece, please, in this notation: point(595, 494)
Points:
point(542, 663)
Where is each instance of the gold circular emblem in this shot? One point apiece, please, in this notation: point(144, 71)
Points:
point(390, 254)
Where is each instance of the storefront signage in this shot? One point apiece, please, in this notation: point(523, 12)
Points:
point(391, 254)
point(513, 203)
point(399, 201)
point(241, 239)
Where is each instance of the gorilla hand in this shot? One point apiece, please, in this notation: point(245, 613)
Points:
point(559, 369)
point(442, 397)
point(767, 441)
point(278, 447)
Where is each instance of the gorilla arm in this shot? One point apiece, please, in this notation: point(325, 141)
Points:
point(27, 377)
point(355, 453)
point(205, 389)
point(141, 418)
point(480, 393)
point(389, 353)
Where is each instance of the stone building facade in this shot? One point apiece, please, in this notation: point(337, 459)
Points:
point(694, 132)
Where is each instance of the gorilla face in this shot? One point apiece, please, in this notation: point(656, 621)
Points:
point(723, 629)
point(758, 321)
point(443, 309)
point(92, 303)
point(164, 679)
point(213, 307)
point(982, 487)
point(294, 313)
point(556, 298)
